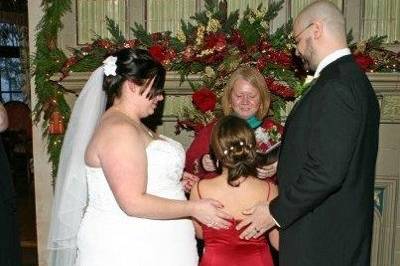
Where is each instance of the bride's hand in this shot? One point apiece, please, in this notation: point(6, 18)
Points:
point(210, 213)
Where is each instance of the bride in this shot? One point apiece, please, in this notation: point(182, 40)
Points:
point(118, 198)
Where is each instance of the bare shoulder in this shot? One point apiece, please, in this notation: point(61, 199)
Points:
point(210, 184)
point(209, 187)
point(262, 187)
point(114, 128)
point(114, 133)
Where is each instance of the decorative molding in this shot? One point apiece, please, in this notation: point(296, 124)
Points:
point(385, 213)
point(390, 109)
point(378, 199)
point(173, 86)
point(385, 82)
point(386, 86)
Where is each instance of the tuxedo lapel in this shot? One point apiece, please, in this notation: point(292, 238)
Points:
point(296, 105)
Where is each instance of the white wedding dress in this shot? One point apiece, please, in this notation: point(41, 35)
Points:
point(107, 236)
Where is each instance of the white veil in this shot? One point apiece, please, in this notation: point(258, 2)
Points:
point(70, 197)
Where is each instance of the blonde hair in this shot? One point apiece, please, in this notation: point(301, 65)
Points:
point(254, 77)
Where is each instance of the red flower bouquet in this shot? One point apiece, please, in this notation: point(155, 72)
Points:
point(268, 139)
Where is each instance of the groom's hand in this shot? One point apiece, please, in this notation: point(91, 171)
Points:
point(267, 170)
point(258, 221)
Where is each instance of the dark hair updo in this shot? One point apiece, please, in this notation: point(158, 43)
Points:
point(233, 144)
point(138, 66)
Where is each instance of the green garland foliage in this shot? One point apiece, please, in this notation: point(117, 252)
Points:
point(47, 61)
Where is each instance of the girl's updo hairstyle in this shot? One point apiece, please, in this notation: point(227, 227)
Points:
point(138, 66)
point(233, 145)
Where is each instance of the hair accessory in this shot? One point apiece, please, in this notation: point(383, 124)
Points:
point(241, 143)
point(109, 66)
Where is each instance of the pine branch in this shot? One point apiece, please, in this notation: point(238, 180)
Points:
point(115, 31)
point(280, 38)
point(273, 9)
point(201, 18)
point(211, 5)
point(231, 22)
point(141, 34)
point(251, 34)
point(376, 41)
point(90, 62)
point(278, 107)
point(189, 30)
point(350, 38)
point(176, 44)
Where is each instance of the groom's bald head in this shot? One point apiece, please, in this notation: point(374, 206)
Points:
point(328, 14)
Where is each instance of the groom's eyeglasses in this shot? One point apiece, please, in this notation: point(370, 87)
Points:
point(296, 37)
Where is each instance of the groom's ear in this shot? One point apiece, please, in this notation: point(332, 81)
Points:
point(318, 30)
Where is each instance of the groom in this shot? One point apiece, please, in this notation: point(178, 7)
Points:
point(327, 162)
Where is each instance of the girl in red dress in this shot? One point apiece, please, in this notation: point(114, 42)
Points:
point(236, 186)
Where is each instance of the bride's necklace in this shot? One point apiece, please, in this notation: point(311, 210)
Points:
point(138, 123)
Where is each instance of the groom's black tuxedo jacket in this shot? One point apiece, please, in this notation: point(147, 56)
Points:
point(326, 171)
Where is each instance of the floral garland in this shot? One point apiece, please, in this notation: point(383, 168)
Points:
point(213, 45)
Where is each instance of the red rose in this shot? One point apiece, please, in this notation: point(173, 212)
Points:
point(364, 61)
point(262, 146)
point(204, 99)
point(215, 41)
point(158, 52)
point(268, 124)
point(161, 54)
